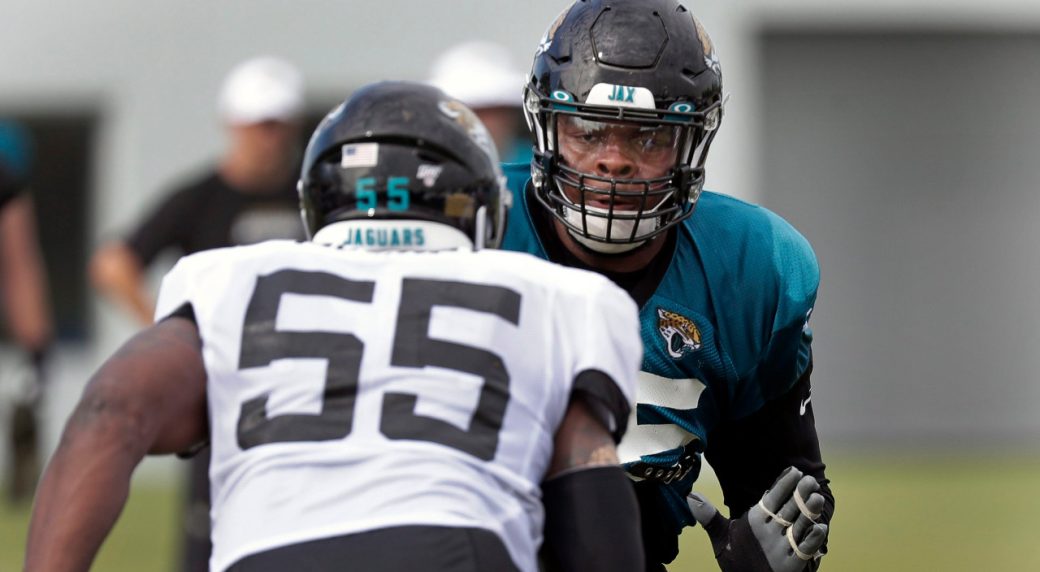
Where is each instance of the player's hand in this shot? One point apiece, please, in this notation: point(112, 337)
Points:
point(779, 534)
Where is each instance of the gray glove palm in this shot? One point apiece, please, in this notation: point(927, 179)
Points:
point(779, 534)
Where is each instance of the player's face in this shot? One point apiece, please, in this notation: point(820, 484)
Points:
point(616, 150)
point(269, 139)
point(268, 149)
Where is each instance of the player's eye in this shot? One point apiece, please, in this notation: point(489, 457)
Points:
point(590, 137)
point(657, 139)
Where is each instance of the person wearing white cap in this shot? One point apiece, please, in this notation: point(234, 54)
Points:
point(248, 197)
point(483, 76)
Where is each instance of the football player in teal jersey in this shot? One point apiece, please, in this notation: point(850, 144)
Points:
point(623, 100)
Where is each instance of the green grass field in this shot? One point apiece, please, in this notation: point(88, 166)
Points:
point(894, 513)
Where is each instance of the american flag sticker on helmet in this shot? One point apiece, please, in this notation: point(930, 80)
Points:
point(359, 155)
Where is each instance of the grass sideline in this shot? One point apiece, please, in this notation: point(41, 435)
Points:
point(895, 513)
point(144, 538)
point(919, 512)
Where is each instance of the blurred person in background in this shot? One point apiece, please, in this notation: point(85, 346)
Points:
point(25, 307)
point(624, 98)
point(249, 197)
point(484, 76)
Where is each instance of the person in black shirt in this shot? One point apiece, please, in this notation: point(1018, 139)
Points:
point(248, 197)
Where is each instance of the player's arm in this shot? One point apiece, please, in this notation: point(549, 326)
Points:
point(759, 440)
point(591, 516)
point(150, 397)
point(749, 453)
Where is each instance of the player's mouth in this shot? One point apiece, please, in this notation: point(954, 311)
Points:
point(624, 199)
point(618, 205)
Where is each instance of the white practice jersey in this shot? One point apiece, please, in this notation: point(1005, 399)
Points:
point(352, 390)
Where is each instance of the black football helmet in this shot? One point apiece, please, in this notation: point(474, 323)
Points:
point(643, 62)
point(407, 152)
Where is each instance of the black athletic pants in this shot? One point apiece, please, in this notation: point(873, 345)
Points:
point(397, 549)
point(196, 544)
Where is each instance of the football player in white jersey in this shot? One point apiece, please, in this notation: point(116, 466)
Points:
point(387, 396)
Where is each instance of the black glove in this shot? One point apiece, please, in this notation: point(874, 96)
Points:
point(779, 534)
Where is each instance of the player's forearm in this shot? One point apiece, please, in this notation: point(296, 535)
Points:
point(748, 454)
point(79, 499)
point(118, 419)
point(592, 522)
point(591, 516)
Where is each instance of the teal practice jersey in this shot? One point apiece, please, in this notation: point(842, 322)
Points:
point(725, 331)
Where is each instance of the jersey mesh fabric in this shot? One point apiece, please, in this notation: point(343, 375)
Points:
point(263, 495)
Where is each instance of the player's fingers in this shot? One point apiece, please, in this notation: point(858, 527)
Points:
point(703, 511)
point(814, 540)
point(803, 523)
point(807, 549)
point(794, 503)
point(781, 490)
point(710, 519)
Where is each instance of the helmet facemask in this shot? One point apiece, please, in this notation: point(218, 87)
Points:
point(648, 65)
point(613, 213)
